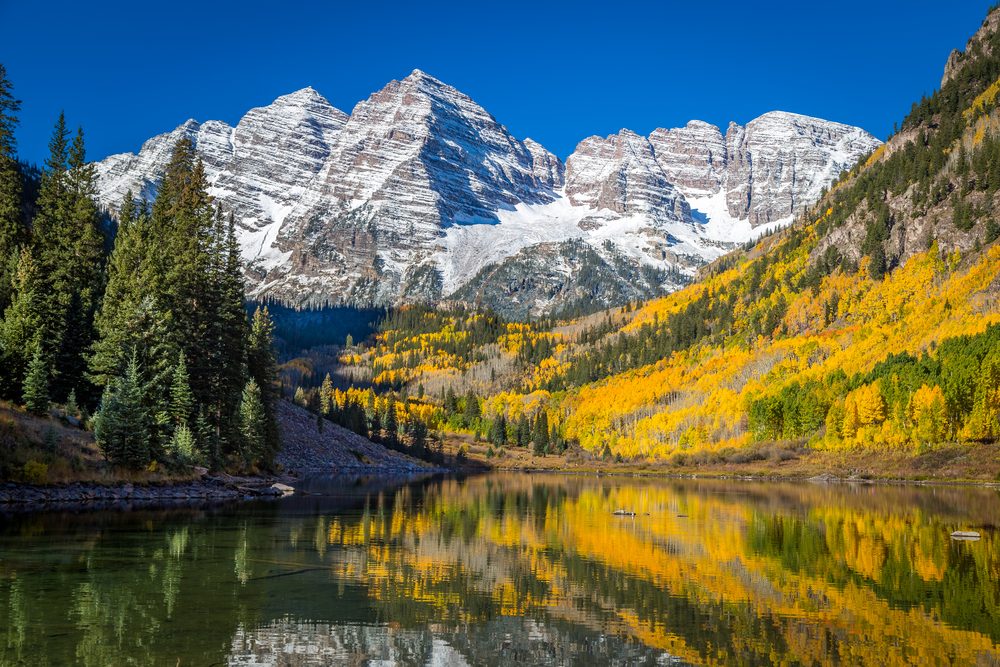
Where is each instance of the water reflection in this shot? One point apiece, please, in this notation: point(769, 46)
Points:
point(513, 569)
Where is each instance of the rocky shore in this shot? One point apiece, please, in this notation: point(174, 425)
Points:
point(207, 489)
point(307, 451)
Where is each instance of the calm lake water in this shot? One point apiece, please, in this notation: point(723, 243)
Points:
point(513, 569)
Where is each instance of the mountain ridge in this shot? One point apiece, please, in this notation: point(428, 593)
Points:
point(418, 190)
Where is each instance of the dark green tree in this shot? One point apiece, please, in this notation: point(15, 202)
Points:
point(541, 431)
point(123, 423)
point(391, 425)
point(472, 409)
point(181, 398)
point(498, 431)
point(263, 368)
point(20, 327)
point(12, 230)
point(253, 423)
point(36, 383)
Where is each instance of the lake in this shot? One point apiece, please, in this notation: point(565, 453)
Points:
point(512, 569)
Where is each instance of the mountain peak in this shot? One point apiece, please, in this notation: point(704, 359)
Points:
point(419, 76)
point(301, 97)
point(420, 189)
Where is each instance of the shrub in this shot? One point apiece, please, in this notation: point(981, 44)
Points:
point(35, 472)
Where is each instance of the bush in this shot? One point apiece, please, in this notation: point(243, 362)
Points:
point(35, 472)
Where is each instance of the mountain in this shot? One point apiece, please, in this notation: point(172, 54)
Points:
point(421, 195)
point(863, 337)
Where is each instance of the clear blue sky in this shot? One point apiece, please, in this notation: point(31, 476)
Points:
point(554, 71)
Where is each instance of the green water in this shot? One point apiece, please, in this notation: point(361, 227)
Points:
point(512, 569)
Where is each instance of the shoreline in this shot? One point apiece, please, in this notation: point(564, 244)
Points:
point(220, 489)
point(210, 489)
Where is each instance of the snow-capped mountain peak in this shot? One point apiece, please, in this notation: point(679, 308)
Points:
point(420, 193)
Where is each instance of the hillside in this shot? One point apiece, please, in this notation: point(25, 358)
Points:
point(866, 326)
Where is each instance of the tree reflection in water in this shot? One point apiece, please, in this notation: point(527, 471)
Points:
point(513, 569)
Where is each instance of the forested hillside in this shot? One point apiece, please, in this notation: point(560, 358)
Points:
point(137, 331)
point(870, 324)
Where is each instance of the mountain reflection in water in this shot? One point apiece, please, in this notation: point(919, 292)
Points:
point(512, 569)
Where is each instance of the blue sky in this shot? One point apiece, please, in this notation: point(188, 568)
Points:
point(554, 71)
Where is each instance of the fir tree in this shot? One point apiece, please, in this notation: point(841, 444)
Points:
point(541, 431)
point(12, 231)
point(498, 431)
point(391, 425)
point(523, 431)
point(72, 407)
point(19, 330)
point(253, 423)
point(417, 430)
point(79, 270)
point(472, 410)
point(325, 393)
point(36, 383)
point(182, 444)
point(181, 398)
point(262, 367)
point(122, 425)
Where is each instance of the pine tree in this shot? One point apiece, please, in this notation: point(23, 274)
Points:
point(79, 272)
point(253, 423)
point(181, 398)
point(472, 410)
point(498, 431)
point(36, 383)
point(182, 444)
point(127, 285)
point(262, 367)
point(122, 425)
point(12, 230)
point(541, 431)
point(523, 431)
point(325, 393)
point(391, 425)
point(19, 330)
point(417, 430)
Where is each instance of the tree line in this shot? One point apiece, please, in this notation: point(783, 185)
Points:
point(141, 325)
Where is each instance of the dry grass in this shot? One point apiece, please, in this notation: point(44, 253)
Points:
point(947, 463)
point(47, 450)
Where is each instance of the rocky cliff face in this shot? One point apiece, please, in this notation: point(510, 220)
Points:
point(420, 194)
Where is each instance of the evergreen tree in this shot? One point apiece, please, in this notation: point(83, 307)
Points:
point(78, 278)
point(253, 423)
point(523, 431)
point(51, 235)
point(498, 431)
point(391, 425)
point(450, 401)
point(417, 430)
point(181, 398)
point(36, 383)
point(375, 426)
point(122, 425)
point(128, 284)
point(19, 330)
point(12, 231)
point(263, 368)
point(541, 431)
point(325, 394)
point(472, 409)
point(182, 444)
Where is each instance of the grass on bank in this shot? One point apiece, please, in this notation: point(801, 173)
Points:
point(53, 449)
point(977, 462)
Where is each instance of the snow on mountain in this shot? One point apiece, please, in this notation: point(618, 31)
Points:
point(420, 194)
